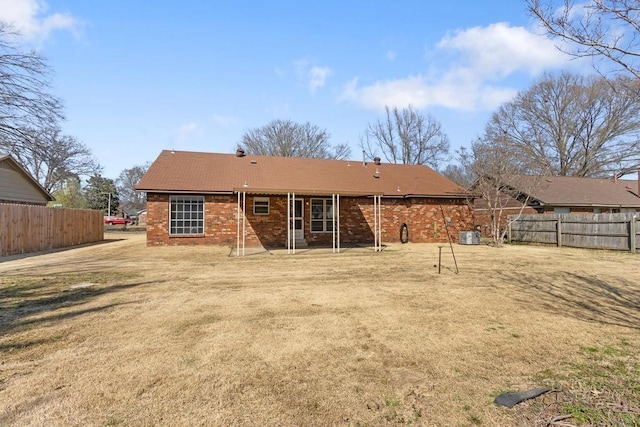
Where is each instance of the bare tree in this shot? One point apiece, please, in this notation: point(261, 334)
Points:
point(499, 189)
point(572, 125)
point(25, 103)
point(604, 29)
point(458, 173)
point(29, 117)
point(289, 139)
point(126, 184)
point(407, 136)
point(51, 158)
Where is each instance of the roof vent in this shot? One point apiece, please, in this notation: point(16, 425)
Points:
point(254, 162)
point(377, 174)
point(240, 152)
point(376, 160)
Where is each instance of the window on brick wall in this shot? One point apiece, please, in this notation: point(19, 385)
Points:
point(321, 215)
point(261, 206)
point(186, 215)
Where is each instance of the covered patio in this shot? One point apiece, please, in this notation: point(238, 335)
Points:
point(295, 223)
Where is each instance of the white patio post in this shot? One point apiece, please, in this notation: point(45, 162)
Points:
point(288, 223)
point(337, 215)
point(244, 223)
point(333, 222)
point(238, 226)
point(380, 223)
point(375, 223)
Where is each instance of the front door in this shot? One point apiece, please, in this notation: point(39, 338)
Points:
point(298, 218)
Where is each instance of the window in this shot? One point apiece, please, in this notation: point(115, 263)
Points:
point(261, 206)
point(186, 215)
point(321, 215)
point(561, 210)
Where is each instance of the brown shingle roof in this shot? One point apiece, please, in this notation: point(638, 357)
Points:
point(577, 191)
point(193, 172)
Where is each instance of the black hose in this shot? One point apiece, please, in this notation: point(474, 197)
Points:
point(404, 233)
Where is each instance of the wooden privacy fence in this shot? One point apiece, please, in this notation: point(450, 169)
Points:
point(596, 231)
point(26, 228)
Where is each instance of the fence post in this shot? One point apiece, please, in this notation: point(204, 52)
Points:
point(559, 231)
point(632, 234)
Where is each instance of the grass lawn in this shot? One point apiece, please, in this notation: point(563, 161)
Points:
point(121, 334)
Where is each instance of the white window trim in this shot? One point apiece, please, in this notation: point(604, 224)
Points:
point(325, 219)
point(261, 199)
point(171, 198)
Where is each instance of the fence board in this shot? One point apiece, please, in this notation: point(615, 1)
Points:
point(27, 228)
point(594, 231)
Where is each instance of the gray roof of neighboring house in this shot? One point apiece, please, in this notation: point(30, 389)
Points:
point(183, 171)
point(577, 191)
point(17, 185)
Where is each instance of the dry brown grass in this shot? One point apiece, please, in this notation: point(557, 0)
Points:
point(122, 334)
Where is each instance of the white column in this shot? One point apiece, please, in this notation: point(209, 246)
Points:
point(338, 220)
point(333, 222)
point(379, 223)
point(375, 223)
point(288, 223)
point(238, 227)
point(244, 223)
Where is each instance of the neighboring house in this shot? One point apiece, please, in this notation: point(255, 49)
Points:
point(18, 186)
point(226, 199)
point(561, 194)
point(142, 218)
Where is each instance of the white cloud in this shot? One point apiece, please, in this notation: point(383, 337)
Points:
point(312, 76)
point(499, 50)
point(31, 18)
point(479, 59)
point(318, 77)
point(187, 133)
point(402, 92)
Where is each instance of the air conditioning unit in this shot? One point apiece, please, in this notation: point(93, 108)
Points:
point(469, 237)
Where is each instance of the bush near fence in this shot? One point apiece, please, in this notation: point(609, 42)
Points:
point(28, 228)
point(594, 231)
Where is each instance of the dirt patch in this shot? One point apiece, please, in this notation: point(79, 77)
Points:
point(191, 336)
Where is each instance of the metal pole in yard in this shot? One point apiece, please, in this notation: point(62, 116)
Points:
point(439, 258)
point(446, 226)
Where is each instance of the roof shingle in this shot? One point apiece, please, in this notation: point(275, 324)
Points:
point(578, 191)
point(196, 172)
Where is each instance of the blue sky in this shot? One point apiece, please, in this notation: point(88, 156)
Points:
point(139, 77)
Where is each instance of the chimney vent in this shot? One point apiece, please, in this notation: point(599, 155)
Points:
point(376, 160)
point(240, 152)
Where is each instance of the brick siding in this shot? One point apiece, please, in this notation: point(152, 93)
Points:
point(423, 218)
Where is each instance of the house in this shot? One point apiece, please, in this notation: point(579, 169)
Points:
point(559, 194)
point(18, 186)
point(250, 200)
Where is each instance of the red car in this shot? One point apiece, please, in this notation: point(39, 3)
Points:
point(116, 220)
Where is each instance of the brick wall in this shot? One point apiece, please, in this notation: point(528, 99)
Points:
point(422, 216)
